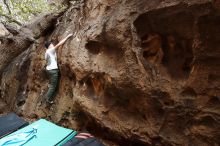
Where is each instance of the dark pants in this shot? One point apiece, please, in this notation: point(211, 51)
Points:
point(53, 85)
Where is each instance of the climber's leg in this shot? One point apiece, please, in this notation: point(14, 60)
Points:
point(54, 80)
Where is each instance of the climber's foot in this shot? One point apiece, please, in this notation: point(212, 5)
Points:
point(49, 101)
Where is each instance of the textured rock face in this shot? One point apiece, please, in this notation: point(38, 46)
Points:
point(136, 72)
point(3, 30)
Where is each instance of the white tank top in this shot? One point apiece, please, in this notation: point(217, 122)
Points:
point(51, 58)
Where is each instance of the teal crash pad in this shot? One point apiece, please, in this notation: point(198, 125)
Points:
point(39, 133)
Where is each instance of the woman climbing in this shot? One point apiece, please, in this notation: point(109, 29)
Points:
point(52, 68)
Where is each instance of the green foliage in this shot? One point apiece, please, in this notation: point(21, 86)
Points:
point(24, 10)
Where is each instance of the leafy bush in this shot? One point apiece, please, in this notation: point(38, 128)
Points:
point(21, 11)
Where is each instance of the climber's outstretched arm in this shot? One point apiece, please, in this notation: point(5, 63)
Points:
point(63, 41)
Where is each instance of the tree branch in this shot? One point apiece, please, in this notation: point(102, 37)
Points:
point(13, 30)
point(7, 5)
point(11, 19)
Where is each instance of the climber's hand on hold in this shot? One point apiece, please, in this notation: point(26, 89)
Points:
point(70, 35)
point(63, 41)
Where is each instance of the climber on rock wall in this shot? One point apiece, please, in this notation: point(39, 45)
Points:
point(52, 68)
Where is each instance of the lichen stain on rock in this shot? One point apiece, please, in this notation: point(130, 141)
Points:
point(135, 73)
